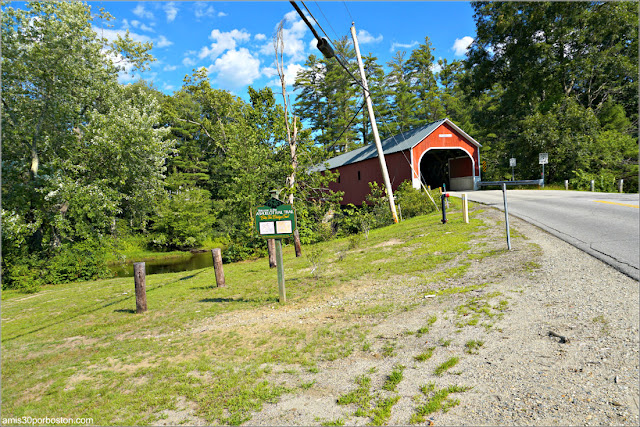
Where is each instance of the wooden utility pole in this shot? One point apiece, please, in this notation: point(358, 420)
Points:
point(374, 127)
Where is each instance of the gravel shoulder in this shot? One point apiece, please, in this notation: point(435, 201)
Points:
point(519, 375)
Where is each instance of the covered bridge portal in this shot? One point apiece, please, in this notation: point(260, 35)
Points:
point(436, 154)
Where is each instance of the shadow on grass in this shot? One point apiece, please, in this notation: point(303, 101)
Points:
point(125, 310)
point(245, 300)
point(93, 309)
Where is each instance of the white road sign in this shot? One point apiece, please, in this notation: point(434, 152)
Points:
point(512, 162)
point(543, 158)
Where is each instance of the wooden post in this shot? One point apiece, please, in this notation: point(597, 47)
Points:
point(296, 243)
point(281, 291)
point(139, 276)
point(271, 248)
point(465, 208)
point(217, 266)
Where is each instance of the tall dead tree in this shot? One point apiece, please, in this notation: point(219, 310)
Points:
point(292, 134)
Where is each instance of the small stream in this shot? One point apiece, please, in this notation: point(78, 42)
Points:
point(196, 261)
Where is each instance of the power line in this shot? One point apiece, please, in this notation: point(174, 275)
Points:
point(345, 6)
point(325, 18)
point(347, 126)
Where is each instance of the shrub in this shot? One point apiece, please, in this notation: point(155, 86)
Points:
point(413, 202)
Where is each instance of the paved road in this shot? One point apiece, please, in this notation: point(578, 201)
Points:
point(605, 225)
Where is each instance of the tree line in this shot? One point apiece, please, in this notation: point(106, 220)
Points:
point(90, 165)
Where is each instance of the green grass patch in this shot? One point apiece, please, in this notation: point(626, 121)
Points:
point(436, 400)
point(394, 378)
point(424, 356)
point(448, 364)
point(472, 345)
point(79, 348)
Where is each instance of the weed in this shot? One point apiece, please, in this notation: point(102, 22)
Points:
point(436, 400)
point(444, 343)
point(473, 345)
point(423, 357)
point(394, 378)
point(382, 411)
point(337, 422)
point(360, 396)
point(313, 370)
point(422, 331)
point(450, 363)
point(307, 386)
point(372, 370)
point(314, 255)
point(388, 349)
point(366, 346)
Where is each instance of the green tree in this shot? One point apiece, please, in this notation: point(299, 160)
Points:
point(419, 70)
point(404, 102)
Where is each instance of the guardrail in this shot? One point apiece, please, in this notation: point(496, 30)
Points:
point(521, 182)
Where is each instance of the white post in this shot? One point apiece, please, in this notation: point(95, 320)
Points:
point(465, 208)
point(566, 184)
point(620, 185)
point(374, 127)
point(593, 185)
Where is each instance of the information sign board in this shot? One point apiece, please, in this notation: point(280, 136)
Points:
point(275, 221)
point(543, 158)
point(512, 162)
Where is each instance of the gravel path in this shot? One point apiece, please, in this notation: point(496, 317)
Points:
point(520, 375)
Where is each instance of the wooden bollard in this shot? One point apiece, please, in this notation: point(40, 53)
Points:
point(217, 266)
point(296, 243)
point(271, 248)
point(139, 276)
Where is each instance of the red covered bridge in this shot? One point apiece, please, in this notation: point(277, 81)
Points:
point(436, 154)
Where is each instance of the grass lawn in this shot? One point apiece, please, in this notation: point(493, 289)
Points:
point(79, 350)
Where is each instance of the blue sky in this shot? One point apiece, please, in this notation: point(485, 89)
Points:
point(233, 40)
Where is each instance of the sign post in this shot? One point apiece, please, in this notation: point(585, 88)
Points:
point(512, 163)
point(543, 159)
point(276, 221)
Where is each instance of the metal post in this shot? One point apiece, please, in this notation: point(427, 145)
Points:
point(593, 185)
point(465, 208)
point(374, 127)
point(566, 184)
point(542, 178)
point(280, 267)
point(506, 214)
point(620, 185)
point(513, 175)
point(444, 208)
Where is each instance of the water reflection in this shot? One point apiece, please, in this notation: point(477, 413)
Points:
point(196, 261)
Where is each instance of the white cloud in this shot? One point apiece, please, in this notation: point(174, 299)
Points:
point(170, 68)
point(236, 68)
point(260, 37)
point(313, 44)
point(141, 12)
point(168, 87)
point(171, 11)
point(460, 46)
point(436, 67)
point(204, 10)
point(223, 41)
point(365, 37)
point(395, 46)
point(188, 62)
point(163, 42)
point(221, 14)
point(112, 35)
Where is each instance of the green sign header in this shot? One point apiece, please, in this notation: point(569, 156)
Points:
point(275, 222)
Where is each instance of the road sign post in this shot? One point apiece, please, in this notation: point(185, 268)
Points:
point(275, 220)
point(543, 159)
point(512, 163)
